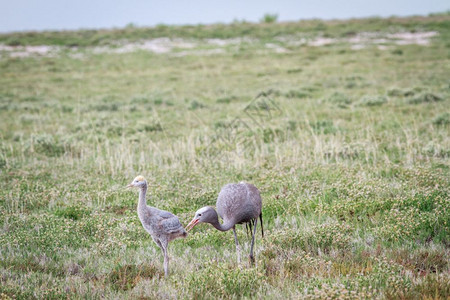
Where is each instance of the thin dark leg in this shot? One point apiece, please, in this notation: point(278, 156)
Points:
point(237, 245)
point(262, 229)
point(252, 259)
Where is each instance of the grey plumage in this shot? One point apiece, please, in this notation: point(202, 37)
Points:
point(237, 203)
point(162, 225)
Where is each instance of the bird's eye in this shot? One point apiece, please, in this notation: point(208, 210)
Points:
point(199, 215)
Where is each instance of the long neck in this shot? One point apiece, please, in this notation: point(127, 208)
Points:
point(222, 227)
point(142, 202)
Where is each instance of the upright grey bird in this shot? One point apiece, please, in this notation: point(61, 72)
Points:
point(237, 203)
point(162, 225)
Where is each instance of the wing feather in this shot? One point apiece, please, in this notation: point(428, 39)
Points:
point(171, 225)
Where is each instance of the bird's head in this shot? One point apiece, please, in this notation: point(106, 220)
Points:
point(138, 182)
point(205, 214)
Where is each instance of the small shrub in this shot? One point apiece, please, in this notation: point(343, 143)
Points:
point(2, 162)
point(351, 85)
point(13, 41)
point(409, 93)
point(66, 109)
point(296, 70)
point(140, 100)
point(126, 277)
point(425, 98)
point(372, 101)
point(31, 99)
point(74, 212)
point(153, 127)
point(269, 135)
point(442, 119)
point(226, 100)
point(158, 101)
point(299, 94)
point(304, 263)
point(324, 127)
point(327, 236)
point(432, 287)
point(436, 150)
point(339, 100)
point(221, 124)
point(196, 105)
point(338, 290)
point(395, 92)
point(292, 125)
point(269, 18)
point(354, 81)
point(106, 107)
point(347, 152)
point(422, 261)
point(47, 145)
point(115, 130)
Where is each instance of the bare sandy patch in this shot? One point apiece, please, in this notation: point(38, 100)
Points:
point(364, 39)
point(276, 48)
point(412, 38)
point(203, 52)
point(357, 46)
point(226, 42)
point(321, 41)
point(26, 51)
point(159, 45)
point(193, 47)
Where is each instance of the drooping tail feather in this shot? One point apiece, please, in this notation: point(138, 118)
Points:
point(262, 228)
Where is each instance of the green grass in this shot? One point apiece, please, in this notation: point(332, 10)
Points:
point(350, 149)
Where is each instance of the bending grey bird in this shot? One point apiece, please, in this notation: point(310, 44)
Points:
point(237, 203)
point(162, 225)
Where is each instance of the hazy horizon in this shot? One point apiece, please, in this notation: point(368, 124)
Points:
point(23, 15)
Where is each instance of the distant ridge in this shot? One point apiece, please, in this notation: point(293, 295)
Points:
point(329, 28)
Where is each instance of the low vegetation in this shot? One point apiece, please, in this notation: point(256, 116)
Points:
point(349, 146)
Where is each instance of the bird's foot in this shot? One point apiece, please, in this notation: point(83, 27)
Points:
point(251, 260)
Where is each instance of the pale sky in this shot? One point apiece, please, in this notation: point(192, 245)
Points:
point(19, 15)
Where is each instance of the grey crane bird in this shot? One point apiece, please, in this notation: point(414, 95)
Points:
point(162, 225)
point(238, 203)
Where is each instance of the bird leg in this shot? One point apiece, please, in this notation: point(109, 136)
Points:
point(262, 227)
point(252, 259)
point(166, 261)
point(237, 246)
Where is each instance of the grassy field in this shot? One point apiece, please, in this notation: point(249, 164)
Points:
point(342, 125)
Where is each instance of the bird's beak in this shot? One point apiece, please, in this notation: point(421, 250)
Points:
point(130, 185)
point(192, 224)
